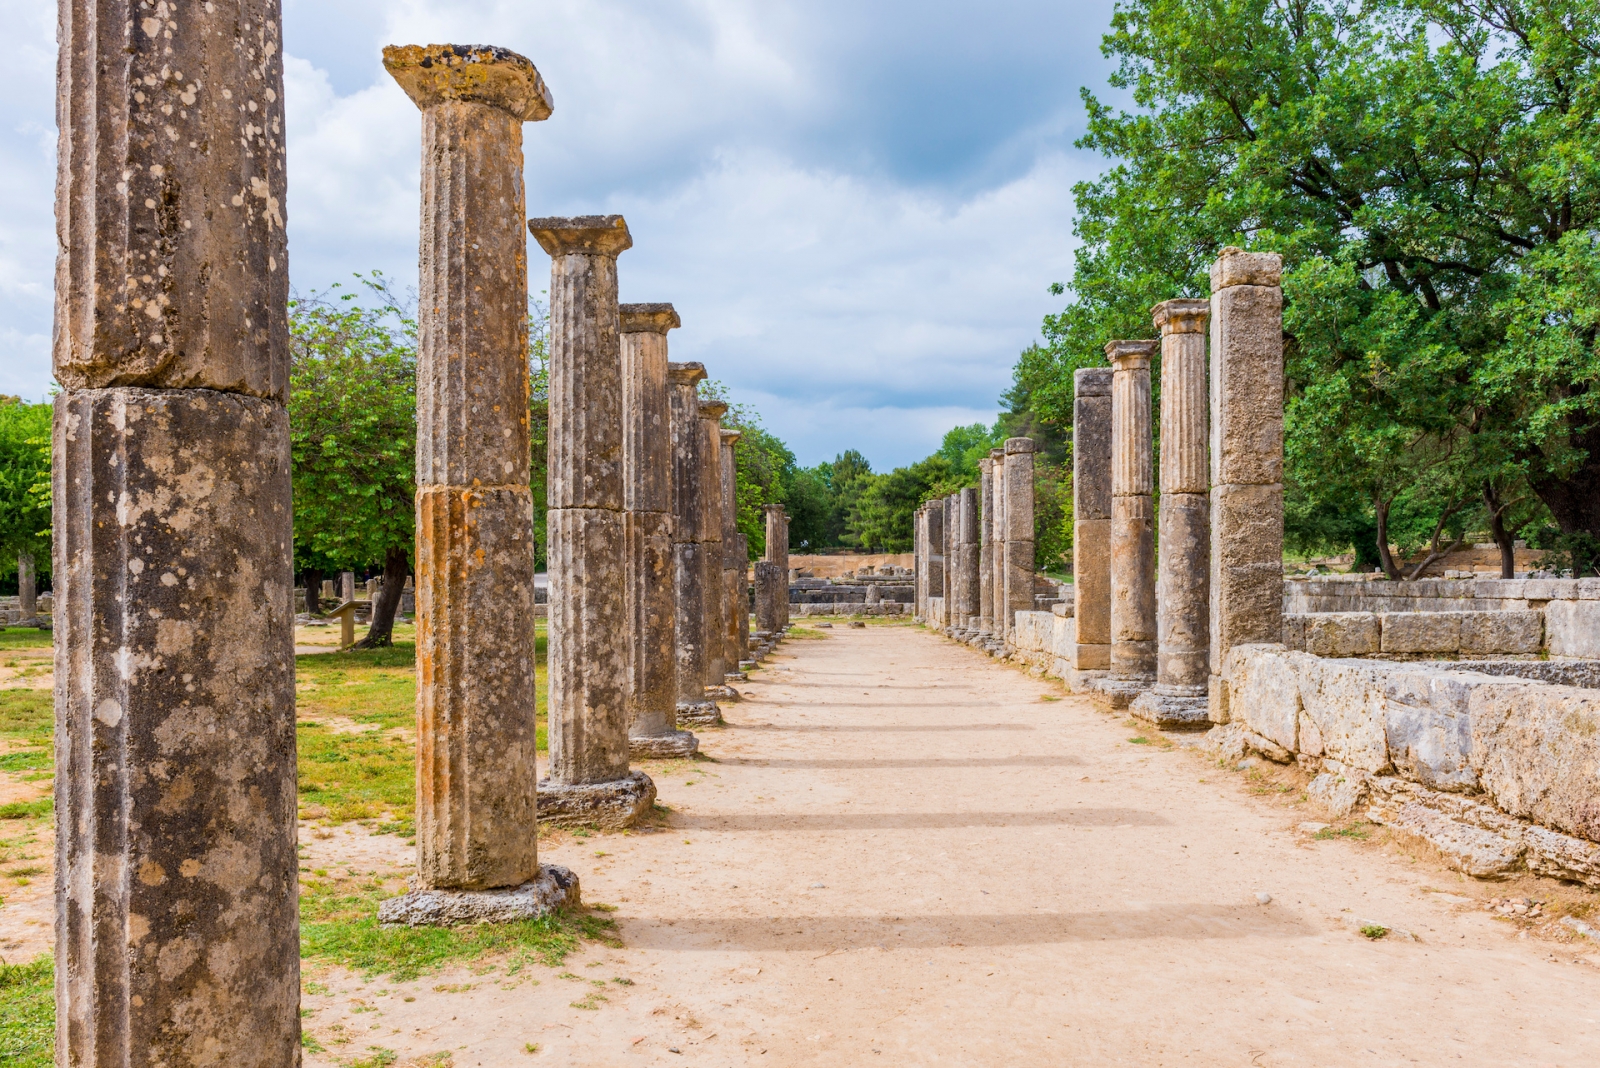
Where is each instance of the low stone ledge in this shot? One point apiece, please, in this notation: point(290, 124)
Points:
point(554, 888)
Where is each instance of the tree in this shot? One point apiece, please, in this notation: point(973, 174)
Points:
point(764, 467)
point(353, 434)
point(24, 485)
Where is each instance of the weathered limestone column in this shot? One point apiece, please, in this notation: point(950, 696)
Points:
point(1183, 624)
point(476, 818)
point(772, 580)
point(177, 932)
point(735, 563)
point(689, 488)
point(985, 548)
point(716, 618)
point(952, 561)
point(1246, 458)
point(27, 590)
point(919, 533)
point(997, 529)
point(967, 609)
point(647, 531)
point(588, 781)
point(935, 517)
point(778, 552)
point(1019, 528)
point(1133, 563)
point(1091, 525)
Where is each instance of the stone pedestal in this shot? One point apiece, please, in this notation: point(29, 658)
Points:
point(1091, 525)
point(176, 900)
point(1018, 517)
point(1179, 697)
point(647, 502)
point(1246, 459)
point(716, 601)
point(689, 488)
point(1133, 564)
point(985, 548)
point(588, 781)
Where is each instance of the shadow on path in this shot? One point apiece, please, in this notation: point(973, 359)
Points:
point(1049, 761)
point(893, 821)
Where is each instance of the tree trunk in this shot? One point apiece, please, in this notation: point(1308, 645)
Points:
point(1574, 502)
point(313, 580)
point(1497, 529)
point(380, 633)
point(1380, 508)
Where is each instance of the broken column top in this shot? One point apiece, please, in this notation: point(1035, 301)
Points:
point(1185, 315)
point(713, 409)
point(603, 235)
point(475, 74)
point(997, 454)
point(1016, 445)
point(1236, 267)
point(1092, 382)
point(647, 318)
point(686, 374)
point(1131, 354)
point(731, 437)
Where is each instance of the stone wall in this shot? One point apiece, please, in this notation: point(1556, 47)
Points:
point(1363, 593)
point(1562, 628)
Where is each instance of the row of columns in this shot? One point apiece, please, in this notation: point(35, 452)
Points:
point(177, 896)
point(1163, 651)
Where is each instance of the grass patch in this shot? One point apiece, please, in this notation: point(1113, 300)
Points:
point(1374, 931)
point(28, 1014)
point(27, 716)
point(1358, 831)
point(27, 810)
point(804, 633)
point(339, 925)
point(29, 638)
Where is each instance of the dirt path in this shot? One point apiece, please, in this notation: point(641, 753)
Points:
point(904, 853)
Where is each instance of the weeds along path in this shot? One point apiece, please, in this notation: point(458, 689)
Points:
point(901, 852)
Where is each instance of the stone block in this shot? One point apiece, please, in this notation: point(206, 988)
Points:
point(1536, 749)
point(1428, 727)
point(1420, 632)
point(1342, 634)
point(1236, 267)
point(1539, 589)
point(1294, 631)
point(1338, 794)
point(1264, 692)
point(1247, 386)
point(1246, 566)
point(1091, 559)
point(1344, 700)
point(1500, 589)
point(1488, 633)
point(1572, 628)
point(1589, 589)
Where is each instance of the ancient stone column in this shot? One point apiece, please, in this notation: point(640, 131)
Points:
point(783, 531)
point(177, 931)
point(689, 488)
point(1246, 458)
point(985, 548)
point(476, 818)
point(948, 572)
point(997, 561)
point(918, 533)
point(778, 551)
point(647, 533)
point(27, 591)
point(589, 781)
point(1091, 524)
point(1133, 564)
point(716, 618)
point(1183, 599)
point(772, 580)
point(935, 518)
point(967, 608)
point(1019, 527)
point(735, 563)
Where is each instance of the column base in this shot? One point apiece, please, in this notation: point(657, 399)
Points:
point(1172, 712)
point(737, 676)
point(678, 744)
point(1114, 695)
point(554, 888)
point(700, 713)
point(722, 693)
point(610, 806)
point(1081, 681)
point(745, 665)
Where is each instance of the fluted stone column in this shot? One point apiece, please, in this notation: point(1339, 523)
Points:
point(918, 570)
point(27, 591)
point(689, 489)
point(716, 619)
point(1246, 458)
point(1091, 525)
point(997, 529)
point(778, 551)
point(936, 562)
point(772, 579)
point(1133, 564)
point(735, 563)
point(952, 562)
point(985, 548)
point(476, 739)
point(1019, 528)
point(647, 531)
point(589, 781)
point(1183, 624)
point(177, 936)
point(967, 577)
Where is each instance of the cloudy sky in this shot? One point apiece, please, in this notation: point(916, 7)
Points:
point(855, 205)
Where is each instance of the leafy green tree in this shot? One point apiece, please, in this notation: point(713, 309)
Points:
point(24, 485)
point(765, 468)
point(353, 434)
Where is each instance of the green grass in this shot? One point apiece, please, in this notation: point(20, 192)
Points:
point(27, 1014)
point(1356, 830)
point(25, 638)
point(1374, 931)
point(27, 810)
point(26, 716)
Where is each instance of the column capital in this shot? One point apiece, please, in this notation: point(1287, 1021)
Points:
point(1091, 382)
point(1185, 315)
point(731, 437)
point(685, 374)
point(476, 74)
point(1018, 445)
point(647, 318)
point(713, 409)
point(602, 235)
point(1130, 355)
point(997, 454)
point(770, 508)
point(1236, 267)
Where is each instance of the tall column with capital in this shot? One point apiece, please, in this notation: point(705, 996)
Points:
point(1091, 525)
point(1246, 459)
point(176, 894)
point(985, 548)
point(1019, 528)
point(967, 577)
point(647, 534)
point(689, 489)
point(1183, 598)
point(735, 564)
point(717, 688)
point(1133, 562)
point(589, 781)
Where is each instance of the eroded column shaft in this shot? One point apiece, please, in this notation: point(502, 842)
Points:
point(1091, 518)
point(936, 561)
point(689, 487)
point(735, 558)
point(997, 561)
point(1019, 526)
point(967, 597)
point(1183, 626)
point(177, 936)
point(716, 602)
point(985, 546)
point(1133, 564)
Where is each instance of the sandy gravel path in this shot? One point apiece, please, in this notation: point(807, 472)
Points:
point(905, 854)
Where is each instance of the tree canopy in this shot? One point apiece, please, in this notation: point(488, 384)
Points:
point(24, 483)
